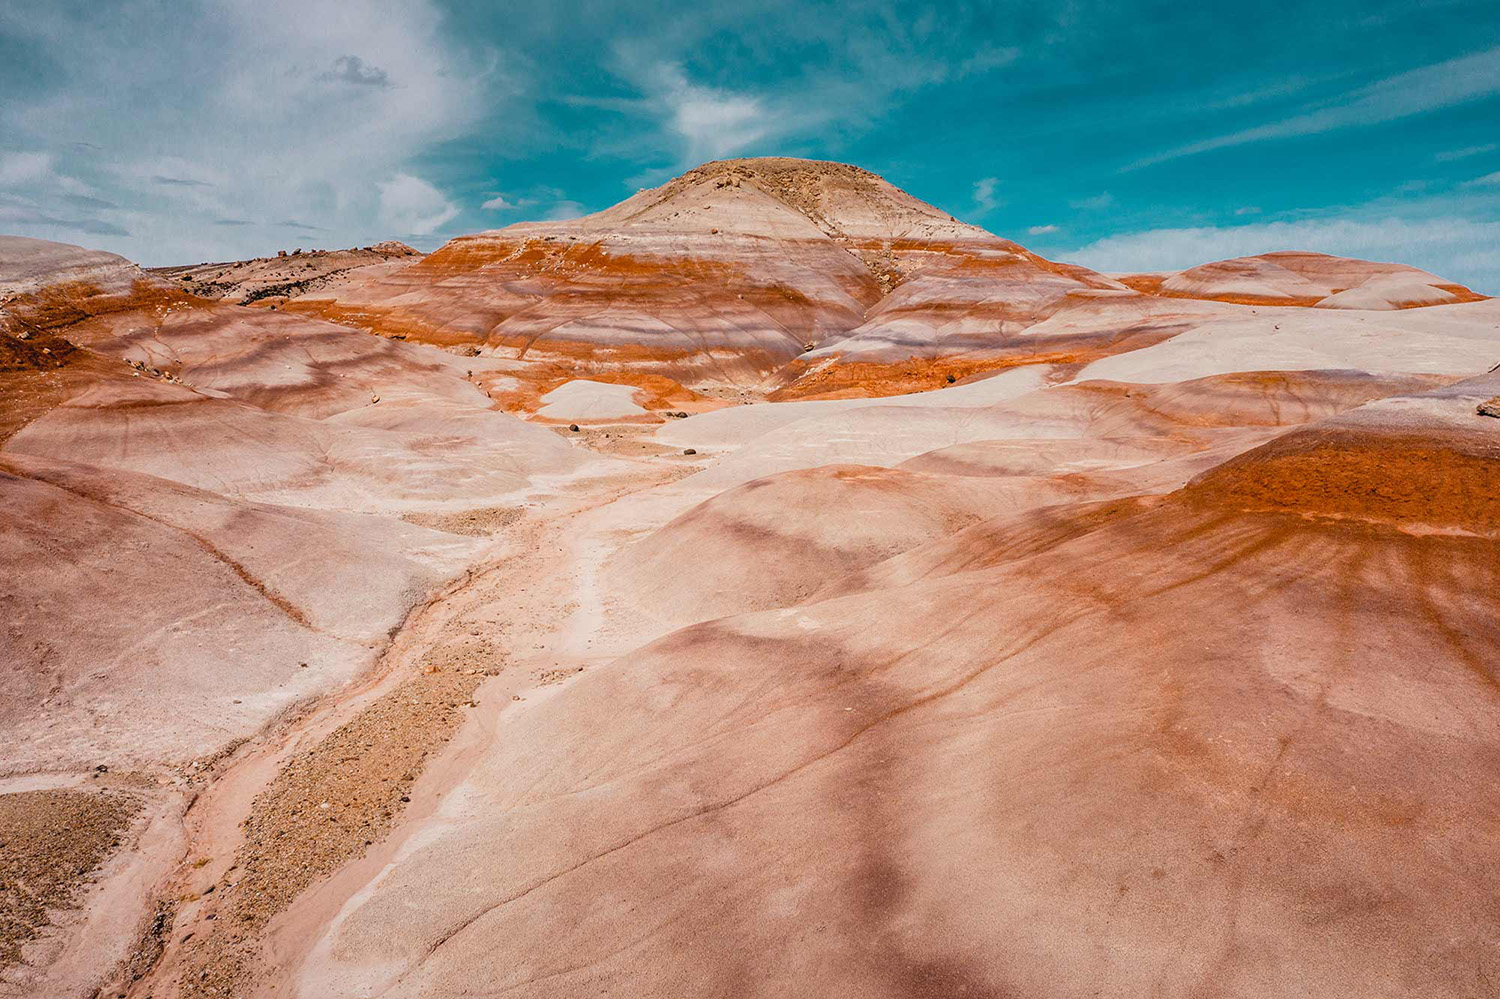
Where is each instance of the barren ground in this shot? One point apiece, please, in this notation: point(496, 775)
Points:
point(51, 842)
point(352, 772)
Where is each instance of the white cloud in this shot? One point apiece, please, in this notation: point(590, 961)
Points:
point(499, 204)
point(1273, 91)
point(564, 210)
point(1247, 210)
point(1450, 155)
point(1041, 230)
point(813, 102)
point(19, 169)
point(713, 123)
point(1457, 248)
point(410, 205)
point(297, 109)
point(1428, 88)
point(984, 194)
point(1488, 180)
point(17, 215)
point(987, 58)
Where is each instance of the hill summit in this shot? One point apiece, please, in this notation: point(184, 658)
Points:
point(719, 278)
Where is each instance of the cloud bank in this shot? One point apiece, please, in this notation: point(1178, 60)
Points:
point(262, 124)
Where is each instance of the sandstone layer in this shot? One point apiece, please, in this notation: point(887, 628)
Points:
point(1153, 653)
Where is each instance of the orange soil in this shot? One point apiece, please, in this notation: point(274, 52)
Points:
point(67, 303)
point(871, 379)
point(393, 323)
point(40, 372)
point(1363, 475)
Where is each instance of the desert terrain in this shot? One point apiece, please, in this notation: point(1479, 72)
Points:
point(771, 585)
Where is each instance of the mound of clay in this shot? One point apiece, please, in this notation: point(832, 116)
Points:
point(1152, 742)
point(1306, 279)
point(1151, 654)
point(718, 278)
point(1420, 461)
point(584, 401)
point(1390, 291)
point(29, 266)
point(209, 498)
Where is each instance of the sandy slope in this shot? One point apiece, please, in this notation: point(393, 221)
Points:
point(1162, 664)
point(1227, 734)
point(212, 518)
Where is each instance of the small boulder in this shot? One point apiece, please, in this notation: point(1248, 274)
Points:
point(690, 451)
point(573, 427)
point(1490, 407)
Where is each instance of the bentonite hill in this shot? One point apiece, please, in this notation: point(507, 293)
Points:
point(768, 586)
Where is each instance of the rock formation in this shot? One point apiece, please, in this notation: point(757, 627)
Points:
point(851, 603)
point(1305, 279)
point(272, 281)
point(721, 278)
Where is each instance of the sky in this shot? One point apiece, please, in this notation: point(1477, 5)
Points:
point(1122, 135)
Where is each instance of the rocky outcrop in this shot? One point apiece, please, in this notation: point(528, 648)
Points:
point(273, 280)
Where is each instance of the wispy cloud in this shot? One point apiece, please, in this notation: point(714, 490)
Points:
point(12, 215)
point(984, 195)
point(988, 58)
point(89, 201)
point(499, 204)
point(17, 169)
point(873, 61)
point(563, 210)
point(1041, 230)
point(712, 123)
point(1272, 91)
point(1488, 180)
point(1451, 155)
point(178, 181)
point(1444, 84)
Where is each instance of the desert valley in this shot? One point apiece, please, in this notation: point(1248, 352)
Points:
point(771, 585)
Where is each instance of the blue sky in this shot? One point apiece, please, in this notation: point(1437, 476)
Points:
point(1121, 135)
